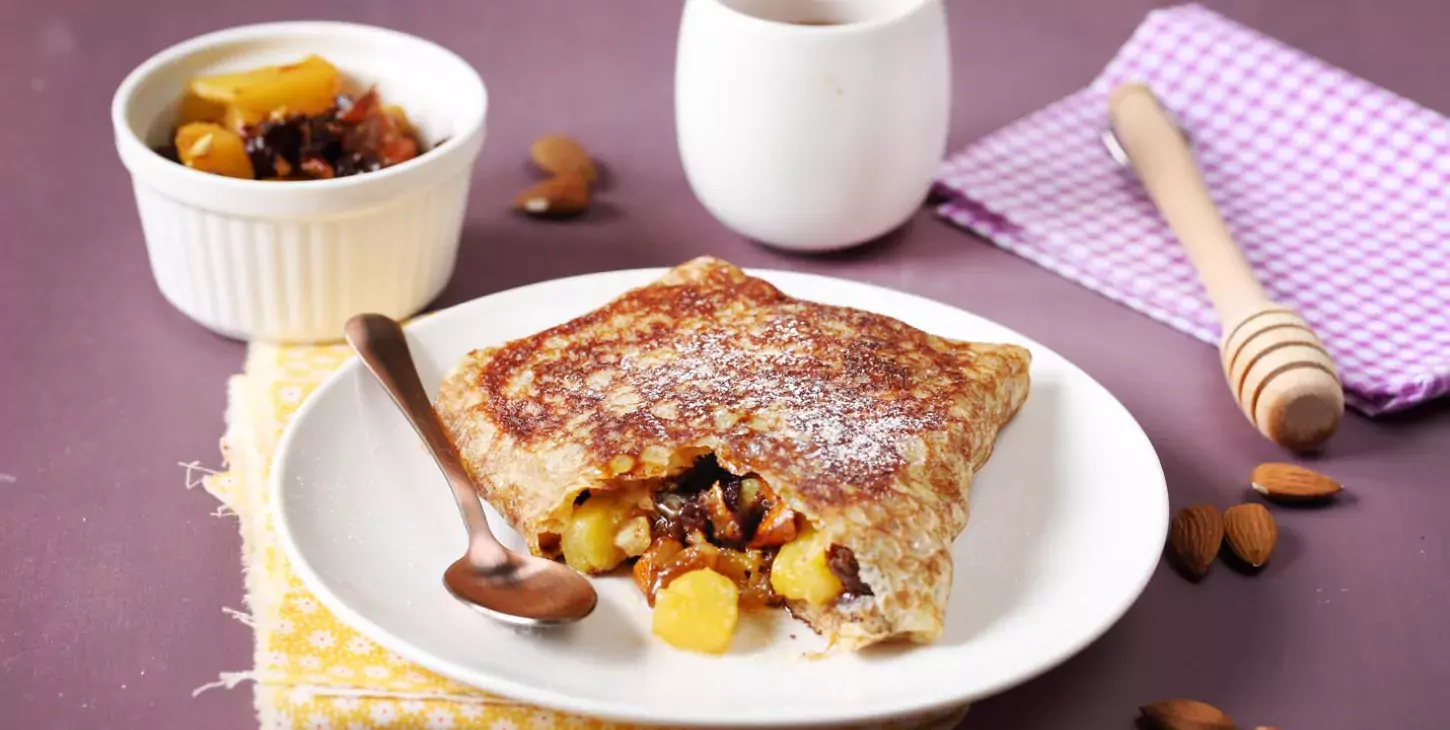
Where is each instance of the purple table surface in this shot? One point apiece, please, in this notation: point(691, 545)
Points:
point(114, 576)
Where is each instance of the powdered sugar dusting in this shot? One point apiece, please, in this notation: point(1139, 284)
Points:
point(827, 397)
point(843, 410)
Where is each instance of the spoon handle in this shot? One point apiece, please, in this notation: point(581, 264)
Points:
point(383, 348)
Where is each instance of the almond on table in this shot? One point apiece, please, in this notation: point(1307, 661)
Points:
point(1195, 535)
point(1184, 714)
point(1292, 483)
point(1251, 532)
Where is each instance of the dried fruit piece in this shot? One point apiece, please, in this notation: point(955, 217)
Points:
point(1181, 714)
point(633, 536)
point(318, 168)
point(211, 148)
point(693, 558)
point(559, 196)
point(751, 572)
point(194, 108)
point(647, 569)
point(776, 528)
point(1251, 532)
point(305, 87)
point(557, 154)
point(843, 565)
point(1292, 483)
point(1195, 535)
point(726, 528)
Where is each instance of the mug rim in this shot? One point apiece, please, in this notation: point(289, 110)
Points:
point(909, 8)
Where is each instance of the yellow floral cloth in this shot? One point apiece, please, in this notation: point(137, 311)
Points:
point(310, 670)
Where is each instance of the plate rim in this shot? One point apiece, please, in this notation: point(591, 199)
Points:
point(631, 713)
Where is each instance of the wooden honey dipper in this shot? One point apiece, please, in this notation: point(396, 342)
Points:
point(1278, 370)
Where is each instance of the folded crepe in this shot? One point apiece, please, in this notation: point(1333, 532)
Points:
point(819, 456)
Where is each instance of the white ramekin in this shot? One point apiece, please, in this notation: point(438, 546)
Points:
point(291, 261)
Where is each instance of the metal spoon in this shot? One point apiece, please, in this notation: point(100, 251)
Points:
point(520, 589)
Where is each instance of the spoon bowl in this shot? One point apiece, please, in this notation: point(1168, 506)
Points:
point(519, 589)
point(529, 591)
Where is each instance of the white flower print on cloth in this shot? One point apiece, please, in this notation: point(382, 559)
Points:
point(439, 719)
point(290, 394)
point(360, 645)
point(321, 639)
point(383, 713)
point(300, 695)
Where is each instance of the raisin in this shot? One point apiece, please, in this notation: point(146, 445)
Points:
point(843, 565)
point(693, 516)
point(730, 486)
point(357, 111)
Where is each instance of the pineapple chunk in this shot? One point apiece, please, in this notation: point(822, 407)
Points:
point(211, 148)
point(800, 571)
point(193, 108)
point(589, 539)
point(697, 612)
point(633, 537)
point(307, 87)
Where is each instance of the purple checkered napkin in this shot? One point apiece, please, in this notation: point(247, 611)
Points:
point(1338, 192)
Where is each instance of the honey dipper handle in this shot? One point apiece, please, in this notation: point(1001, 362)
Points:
point(1282, 376)
point(1161, 157)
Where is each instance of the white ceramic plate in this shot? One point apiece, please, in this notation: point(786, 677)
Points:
point(1068, 522)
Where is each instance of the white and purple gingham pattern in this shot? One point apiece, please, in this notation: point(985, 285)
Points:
point(1338, 192)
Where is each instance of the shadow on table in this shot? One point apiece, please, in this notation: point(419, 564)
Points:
point(492, 258)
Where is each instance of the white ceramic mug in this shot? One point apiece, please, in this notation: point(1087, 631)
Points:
point(812, 124)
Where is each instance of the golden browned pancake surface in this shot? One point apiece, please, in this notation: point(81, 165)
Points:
point(869, 427)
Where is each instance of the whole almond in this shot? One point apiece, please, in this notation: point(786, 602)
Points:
point(1291, 483)
point(557, 154)
point(559, 196)
point(1195, 536)
point(1251, 532)
point(1186, 715)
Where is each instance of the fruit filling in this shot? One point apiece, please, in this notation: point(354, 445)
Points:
point(709, 544)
